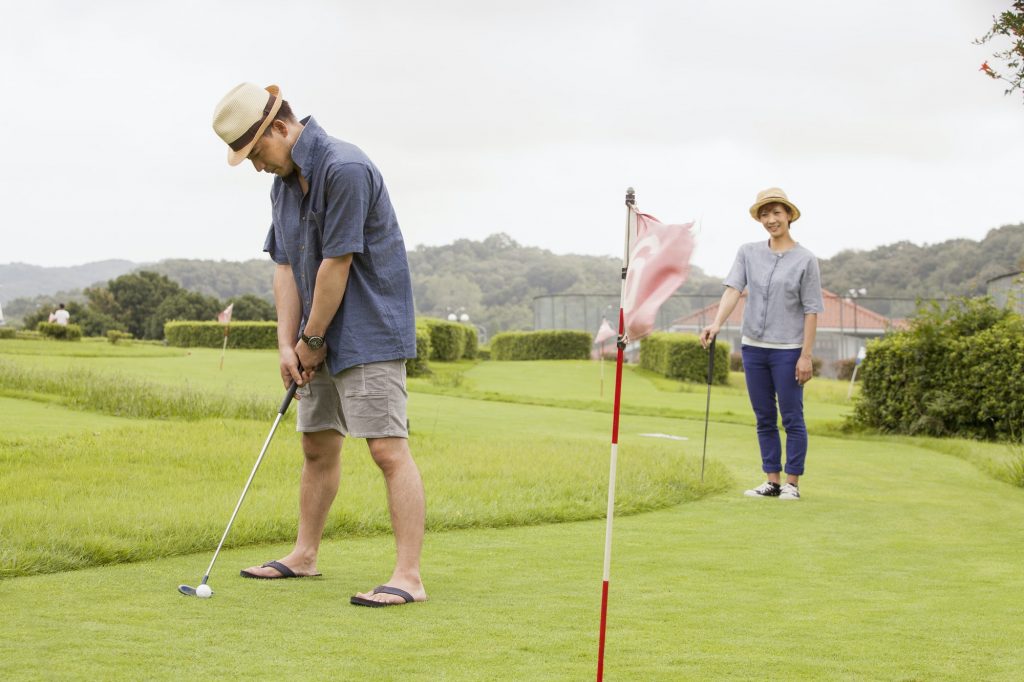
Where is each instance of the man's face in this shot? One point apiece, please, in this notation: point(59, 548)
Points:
point(272, 153)
point(775, 218)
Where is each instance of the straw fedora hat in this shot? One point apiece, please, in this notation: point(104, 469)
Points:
point(242, 117)
point(773, 195)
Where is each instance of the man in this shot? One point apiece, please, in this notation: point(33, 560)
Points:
point(334, 236)
point(60, 315)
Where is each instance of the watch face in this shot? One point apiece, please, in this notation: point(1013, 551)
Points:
point(314, 342)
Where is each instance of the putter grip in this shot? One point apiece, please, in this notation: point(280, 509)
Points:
point(711, 359)
point(287, 398)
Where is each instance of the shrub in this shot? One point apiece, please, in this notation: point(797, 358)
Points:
point(115, 336)
point(816, 364)
point(680, 356)
point(419, 365)
point(483, 353)
point(187, 334)
point(844, 369)
point(7, 333)
point(958, 372)
point(447, 339)
point(541, 345)
point(472, 342)
point(62, 332)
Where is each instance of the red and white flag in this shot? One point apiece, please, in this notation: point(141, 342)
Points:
point(224, 317)
point(604, 333)
point(659, 263)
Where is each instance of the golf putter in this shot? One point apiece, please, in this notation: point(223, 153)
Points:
point(707, 409)
point(191, 591)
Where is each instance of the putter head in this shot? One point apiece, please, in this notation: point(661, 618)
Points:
point(187, 591)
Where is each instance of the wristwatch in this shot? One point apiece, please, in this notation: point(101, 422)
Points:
point(314, 342)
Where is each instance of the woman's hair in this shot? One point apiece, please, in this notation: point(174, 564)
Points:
point(767, 206)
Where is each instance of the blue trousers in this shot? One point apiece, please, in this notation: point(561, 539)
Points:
point(771, 374)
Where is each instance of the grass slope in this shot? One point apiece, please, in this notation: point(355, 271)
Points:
point(901, 563)
point(868, 578)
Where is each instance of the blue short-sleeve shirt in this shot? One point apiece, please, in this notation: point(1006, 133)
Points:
point(782, 288)
point(347, 210)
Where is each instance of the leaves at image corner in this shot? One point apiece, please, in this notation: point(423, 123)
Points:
point(1008, 24)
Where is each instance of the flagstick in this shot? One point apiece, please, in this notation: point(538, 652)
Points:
point(630, 201)
point(222, 350)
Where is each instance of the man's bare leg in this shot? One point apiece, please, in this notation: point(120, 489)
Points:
point(321, 473)
point(408, 514)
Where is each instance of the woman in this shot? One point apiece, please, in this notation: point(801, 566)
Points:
point(779, 324)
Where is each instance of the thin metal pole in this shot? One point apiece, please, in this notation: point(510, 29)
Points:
point(707, 408)
point(280, 413)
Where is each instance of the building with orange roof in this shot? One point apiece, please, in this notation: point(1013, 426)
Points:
point(843, 329)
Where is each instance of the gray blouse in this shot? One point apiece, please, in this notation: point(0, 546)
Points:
point(783, 287)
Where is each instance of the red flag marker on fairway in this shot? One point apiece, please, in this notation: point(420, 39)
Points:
point(654, 266)
point(224, 317)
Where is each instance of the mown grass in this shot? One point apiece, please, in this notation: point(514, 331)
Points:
point(577, 385)
point(899, 564)
point(124, 396)
point(159, 489)
point(902, 562)
point(87, 348)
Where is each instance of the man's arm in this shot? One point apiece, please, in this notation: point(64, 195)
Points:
point(289, 314)
point(331, 282)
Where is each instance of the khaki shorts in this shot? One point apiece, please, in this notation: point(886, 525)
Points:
point(365, 401)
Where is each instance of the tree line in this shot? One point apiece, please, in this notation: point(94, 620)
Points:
point(139, 303)
point(494, 282)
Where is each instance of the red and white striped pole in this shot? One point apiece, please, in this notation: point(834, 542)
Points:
point(630, 203)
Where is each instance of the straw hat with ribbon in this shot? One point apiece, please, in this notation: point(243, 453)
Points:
point(243, 116)
point(773, 195)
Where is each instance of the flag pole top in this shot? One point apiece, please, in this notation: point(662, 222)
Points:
point(630, 196)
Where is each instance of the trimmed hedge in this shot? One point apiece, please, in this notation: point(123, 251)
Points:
point(680, 356)
point(447, 339)
point(541, 345)
point(195, 334)
point(958, 372)
point(62, 332)
point(116, 336)
point(7, 333)
point(419, 365)
point(472, 342)
point(844, 369)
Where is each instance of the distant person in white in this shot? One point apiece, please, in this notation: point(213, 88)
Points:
point(60, 315)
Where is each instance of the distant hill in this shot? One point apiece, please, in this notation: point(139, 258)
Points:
point(222, 279)
point(957, 267)
point(495, 280)
point(20, 280)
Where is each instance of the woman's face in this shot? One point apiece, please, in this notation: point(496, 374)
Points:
point(775, 218)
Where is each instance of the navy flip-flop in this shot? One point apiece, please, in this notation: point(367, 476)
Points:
point(280, 568)
point(383, 589)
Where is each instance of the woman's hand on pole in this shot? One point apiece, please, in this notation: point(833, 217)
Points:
point(804, 369)
point(709, 332)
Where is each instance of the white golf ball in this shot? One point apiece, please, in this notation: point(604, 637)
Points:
point(204, 592)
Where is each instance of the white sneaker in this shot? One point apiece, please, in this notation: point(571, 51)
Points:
point(789, 492)
point(766, 489)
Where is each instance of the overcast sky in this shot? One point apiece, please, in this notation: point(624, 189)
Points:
point(524, 117)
